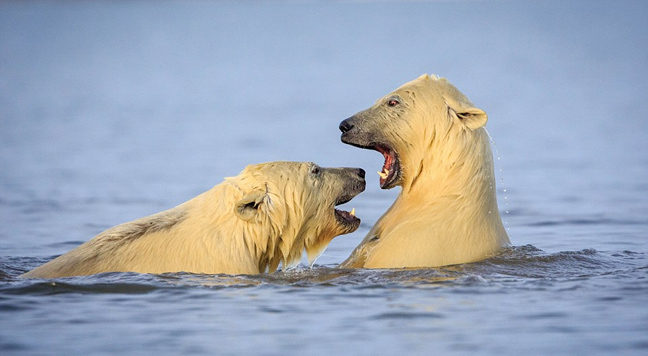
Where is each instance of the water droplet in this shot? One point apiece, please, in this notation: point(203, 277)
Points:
point(499, 159)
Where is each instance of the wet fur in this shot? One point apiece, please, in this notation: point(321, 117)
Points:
point(291, 211)
point(447, 210)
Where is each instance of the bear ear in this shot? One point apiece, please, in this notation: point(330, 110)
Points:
point(248, 206)
point(470, 117)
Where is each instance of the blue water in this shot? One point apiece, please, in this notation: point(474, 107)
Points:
point(114, 110)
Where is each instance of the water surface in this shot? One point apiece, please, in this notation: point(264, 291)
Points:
point(110, 111)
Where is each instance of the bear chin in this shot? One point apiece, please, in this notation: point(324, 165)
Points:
point(346, 220)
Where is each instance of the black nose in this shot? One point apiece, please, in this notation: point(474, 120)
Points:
point(361, 173)
point(346, 125)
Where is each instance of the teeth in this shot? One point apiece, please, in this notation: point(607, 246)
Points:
point(352, 212)
point(384, 175)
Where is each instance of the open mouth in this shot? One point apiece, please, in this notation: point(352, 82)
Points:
point(390, 173)
point(346, 218)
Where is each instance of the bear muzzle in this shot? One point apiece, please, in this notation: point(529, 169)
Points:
point(356, 134)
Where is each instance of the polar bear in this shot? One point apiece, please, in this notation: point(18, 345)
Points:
point(437, 149)
point(248, 224)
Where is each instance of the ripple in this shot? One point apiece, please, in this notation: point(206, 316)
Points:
point(52, 288)
point(408, 315)
point(525, 264)
point(586, 221)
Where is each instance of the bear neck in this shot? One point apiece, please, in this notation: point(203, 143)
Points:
point(251, 244)
point(447, 208)
point(457, 169)
point(275, 239)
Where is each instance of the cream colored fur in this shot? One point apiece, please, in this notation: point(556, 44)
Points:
point(446, 212)
point(248, 224)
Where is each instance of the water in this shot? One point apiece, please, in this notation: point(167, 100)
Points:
point(115, 110)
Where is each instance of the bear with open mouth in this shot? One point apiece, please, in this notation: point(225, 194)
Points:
point(437, 150)
point(248, 224)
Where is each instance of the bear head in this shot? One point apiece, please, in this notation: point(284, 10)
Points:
point(405, 124)
point(288, 207)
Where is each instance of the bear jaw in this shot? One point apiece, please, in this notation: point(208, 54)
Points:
point(356, 132)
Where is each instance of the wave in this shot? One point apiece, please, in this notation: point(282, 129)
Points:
point(522, 264)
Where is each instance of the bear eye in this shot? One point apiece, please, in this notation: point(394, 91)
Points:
point(392, 102)
point(315, 170)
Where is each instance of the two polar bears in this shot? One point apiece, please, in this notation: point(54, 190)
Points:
point(435, 148)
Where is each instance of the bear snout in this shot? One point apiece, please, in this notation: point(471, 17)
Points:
point(346, 125)
point(356, 132)
point(354, 183)
point(357, 179)
point(353, 134)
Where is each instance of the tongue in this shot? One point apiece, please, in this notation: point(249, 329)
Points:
point(386, 166)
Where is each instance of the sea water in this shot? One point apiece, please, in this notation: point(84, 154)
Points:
point(112, 111)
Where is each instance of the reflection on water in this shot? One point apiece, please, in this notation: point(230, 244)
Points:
point(110, 111)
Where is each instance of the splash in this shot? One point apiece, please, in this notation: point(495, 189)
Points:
point(504, 190)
